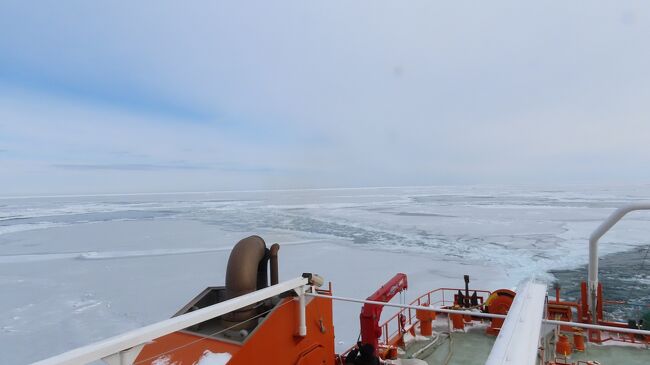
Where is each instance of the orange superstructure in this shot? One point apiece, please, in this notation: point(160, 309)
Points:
point(274, 341)
point(267, 332)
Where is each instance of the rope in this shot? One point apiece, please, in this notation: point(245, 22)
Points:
point(212, 334)
point(433, 344)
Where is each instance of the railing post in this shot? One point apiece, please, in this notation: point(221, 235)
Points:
point(386, 333)
point(302, 320)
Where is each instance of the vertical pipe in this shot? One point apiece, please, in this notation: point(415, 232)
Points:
point(302, 320)
point(263, 271)
point(385, 334)
point(466, 299)
point(592, 283)
point(275, 278)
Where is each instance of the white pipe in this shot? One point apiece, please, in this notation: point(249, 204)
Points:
point(101, 349)
point(593, 250)
point(482, 315)
point(597, 327)
point(302, 320)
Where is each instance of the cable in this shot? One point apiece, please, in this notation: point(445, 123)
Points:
point(433, 344)
point(451, 349)
point(212, 334)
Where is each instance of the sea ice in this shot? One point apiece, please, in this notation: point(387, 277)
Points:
point(142, 257)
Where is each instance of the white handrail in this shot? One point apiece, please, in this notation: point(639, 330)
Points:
point(593, 249)
point(480, 314)
point(128, 340)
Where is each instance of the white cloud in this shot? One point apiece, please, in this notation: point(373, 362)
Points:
point(333, 93)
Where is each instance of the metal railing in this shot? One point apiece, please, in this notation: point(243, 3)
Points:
point(481, 314)
point(414, 308)
point(441, 297)
point(593, 248)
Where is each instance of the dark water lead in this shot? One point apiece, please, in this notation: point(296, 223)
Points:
point(625, 277)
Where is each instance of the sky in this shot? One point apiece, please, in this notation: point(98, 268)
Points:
point(161, 96)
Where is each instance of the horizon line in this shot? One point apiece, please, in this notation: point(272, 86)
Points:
point(10, 197)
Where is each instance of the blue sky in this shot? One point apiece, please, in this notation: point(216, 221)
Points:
point(101, 97)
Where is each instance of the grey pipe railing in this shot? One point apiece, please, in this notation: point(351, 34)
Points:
point(593, 249)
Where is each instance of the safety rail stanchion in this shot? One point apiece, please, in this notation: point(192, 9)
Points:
point(386, 332)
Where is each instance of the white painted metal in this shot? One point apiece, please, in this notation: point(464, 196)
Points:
point(128, 340)
point(598, 327)
point(302, 316)
point(482, 315)
point(593, 248)
point(518, 339)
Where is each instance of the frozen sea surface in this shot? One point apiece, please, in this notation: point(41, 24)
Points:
point(78, 269)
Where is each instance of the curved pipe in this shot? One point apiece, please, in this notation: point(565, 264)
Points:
point(246, 272)
point(593, 249)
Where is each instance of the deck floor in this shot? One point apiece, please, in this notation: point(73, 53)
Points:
point(473, 348)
